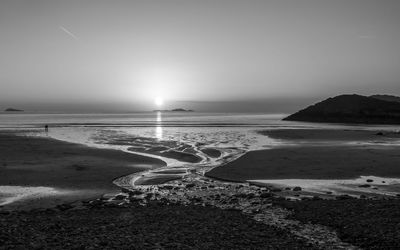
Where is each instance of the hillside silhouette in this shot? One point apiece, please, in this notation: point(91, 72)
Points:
point(351, 109)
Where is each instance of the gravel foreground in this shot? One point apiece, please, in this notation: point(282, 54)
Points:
point(369, 224)
point(156, 226)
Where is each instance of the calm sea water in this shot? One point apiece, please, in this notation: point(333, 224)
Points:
point(140, 119)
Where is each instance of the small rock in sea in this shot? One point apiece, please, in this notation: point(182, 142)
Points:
point(370, 180)
point(364, 186)
point(379, 133)
point(288, 188)
point(190, 185)
point(168, 187)
point(363, 196)
point(276, 190)
point(383, 181)
point(297, 189)
point(329, 192)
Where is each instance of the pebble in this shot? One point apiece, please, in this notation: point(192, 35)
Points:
point(297, 189)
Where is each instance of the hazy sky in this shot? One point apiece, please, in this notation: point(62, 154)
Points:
point(261, 54)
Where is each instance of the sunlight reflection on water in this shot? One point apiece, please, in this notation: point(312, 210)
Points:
point(159, 129)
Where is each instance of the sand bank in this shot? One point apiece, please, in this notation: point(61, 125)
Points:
point(60, 167)
point(337, 158)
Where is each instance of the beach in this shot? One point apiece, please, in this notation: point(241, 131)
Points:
point(263, 199)
point(78, 206)
point(53, 172)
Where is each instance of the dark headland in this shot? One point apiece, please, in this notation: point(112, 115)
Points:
point(376, 109)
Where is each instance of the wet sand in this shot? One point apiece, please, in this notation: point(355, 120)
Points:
point(328, 135)
point(73, 171)
point(344, 154)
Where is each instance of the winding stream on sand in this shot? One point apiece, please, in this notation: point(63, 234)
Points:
point(197, 150)
point(184, 150)
point(187, 143)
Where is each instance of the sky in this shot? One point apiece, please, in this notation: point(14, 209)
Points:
point(207, 55)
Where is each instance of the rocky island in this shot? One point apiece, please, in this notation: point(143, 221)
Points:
point(173, 110)
point(376, 109)
point(13, 110)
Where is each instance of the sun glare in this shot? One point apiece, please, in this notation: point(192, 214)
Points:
point(158, 101)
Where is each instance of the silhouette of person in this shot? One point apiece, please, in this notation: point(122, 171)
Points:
point(46, 128)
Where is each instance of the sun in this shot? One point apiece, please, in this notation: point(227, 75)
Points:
point(158, 101)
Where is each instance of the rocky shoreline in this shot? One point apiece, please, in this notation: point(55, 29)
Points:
point(302, 223)
point(265, 204)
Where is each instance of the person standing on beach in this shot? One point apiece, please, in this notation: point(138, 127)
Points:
point(46, 128)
